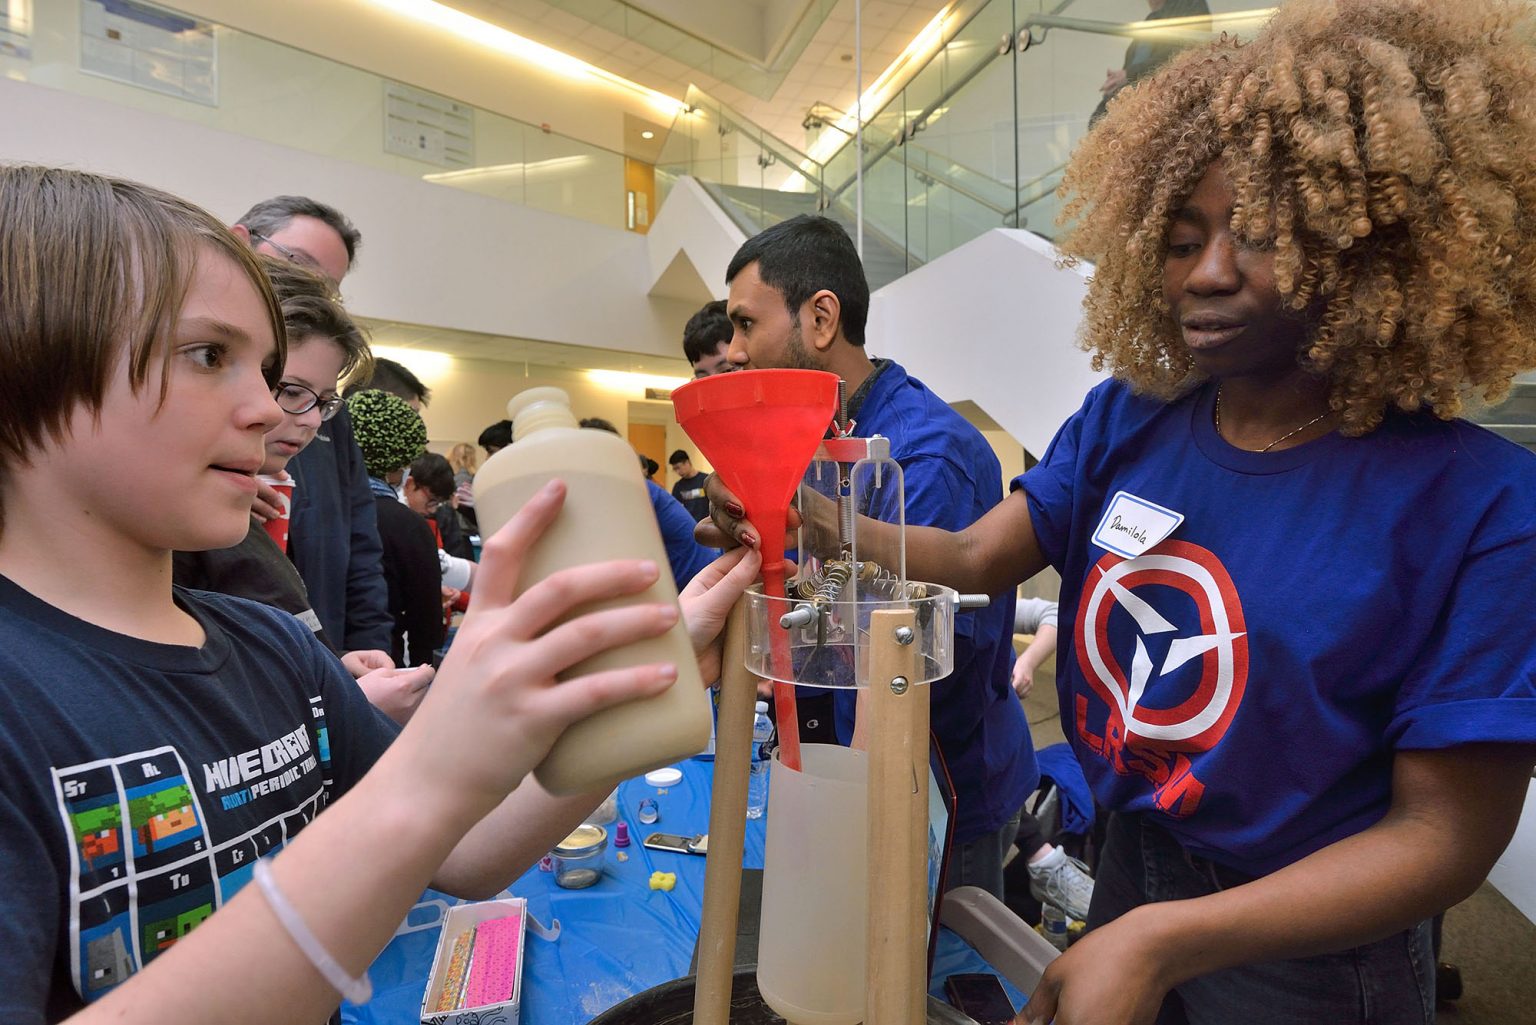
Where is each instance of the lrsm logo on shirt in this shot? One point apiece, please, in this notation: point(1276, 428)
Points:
point(1183, 686)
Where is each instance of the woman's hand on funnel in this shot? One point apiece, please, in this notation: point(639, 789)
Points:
point(728, 525)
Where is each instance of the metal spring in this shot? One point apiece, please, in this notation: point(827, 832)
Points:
point(824, 587)
point(877, 577)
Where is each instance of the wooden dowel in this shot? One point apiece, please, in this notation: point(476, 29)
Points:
point(896, 992)
point(727, 828)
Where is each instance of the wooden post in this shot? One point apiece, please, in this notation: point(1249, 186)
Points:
point(727, 827)
point(897, 984)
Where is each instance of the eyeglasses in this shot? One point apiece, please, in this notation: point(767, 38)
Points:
point(297, 399)
point(301, 258)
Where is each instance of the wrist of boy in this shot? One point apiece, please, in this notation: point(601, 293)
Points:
point(434, 804)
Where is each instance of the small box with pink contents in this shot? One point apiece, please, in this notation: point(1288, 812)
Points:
point(477, 974)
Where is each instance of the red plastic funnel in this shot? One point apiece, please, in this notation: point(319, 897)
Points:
point(759, 429)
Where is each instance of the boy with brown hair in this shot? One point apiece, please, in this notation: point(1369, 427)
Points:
point(157, 743)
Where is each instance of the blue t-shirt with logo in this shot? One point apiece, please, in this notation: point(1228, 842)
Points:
point(1247, 679)
point(140, 782)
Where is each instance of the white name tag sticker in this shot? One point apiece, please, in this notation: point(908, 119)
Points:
point(1132, 525)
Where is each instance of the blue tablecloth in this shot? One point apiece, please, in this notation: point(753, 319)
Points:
point(617, 938)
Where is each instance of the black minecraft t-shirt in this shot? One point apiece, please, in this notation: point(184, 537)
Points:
point(139, 782)
point(690, 492)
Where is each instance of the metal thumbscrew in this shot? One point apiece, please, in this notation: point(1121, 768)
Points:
point(800, 615)
point(904, 635)
point(899, 685)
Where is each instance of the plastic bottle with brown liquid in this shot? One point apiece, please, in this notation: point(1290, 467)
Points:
point(607, 515)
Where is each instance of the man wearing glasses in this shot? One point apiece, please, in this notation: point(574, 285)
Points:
point(333, 538)
point(309, 233)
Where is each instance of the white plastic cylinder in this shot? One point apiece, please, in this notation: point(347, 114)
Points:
point(811, 944)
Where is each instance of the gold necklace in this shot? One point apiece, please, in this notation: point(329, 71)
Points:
point(1319, 418)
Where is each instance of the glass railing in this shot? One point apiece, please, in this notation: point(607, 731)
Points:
point(765, 47)
point(941, 167)
point(757, 177)
point(978, 139)
point(973, 141)
point(279, 94)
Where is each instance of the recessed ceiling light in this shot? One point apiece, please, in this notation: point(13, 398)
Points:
point(647, 134)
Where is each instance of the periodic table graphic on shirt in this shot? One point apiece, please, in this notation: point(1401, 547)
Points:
point(146, 868)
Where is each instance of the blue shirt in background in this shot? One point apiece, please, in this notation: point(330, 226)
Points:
point(951, 478)
point(685, 555)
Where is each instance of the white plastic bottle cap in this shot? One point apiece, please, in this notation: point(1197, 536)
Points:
point(762, 708)
point(664, 777)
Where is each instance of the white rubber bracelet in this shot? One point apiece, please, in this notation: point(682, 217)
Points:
point(359, 990)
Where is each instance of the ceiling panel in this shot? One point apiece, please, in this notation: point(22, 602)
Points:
point(628, 43)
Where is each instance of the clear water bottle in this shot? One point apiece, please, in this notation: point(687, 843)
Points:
point(757, 781)
point(1053, 925)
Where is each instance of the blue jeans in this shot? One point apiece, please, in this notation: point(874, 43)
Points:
point(979, 862)
point(1389, 982)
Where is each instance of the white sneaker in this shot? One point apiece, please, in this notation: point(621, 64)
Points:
point(1064, 882)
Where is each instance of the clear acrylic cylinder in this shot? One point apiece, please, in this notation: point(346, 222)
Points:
point(833, 649)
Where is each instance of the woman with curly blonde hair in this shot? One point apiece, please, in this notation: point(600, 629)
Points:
point(464, 461)
point(1298, 674)
point(1294, 661)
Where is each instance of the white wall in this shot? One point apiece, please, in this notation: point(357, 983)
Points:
point(995, 321)
point(690, 244)
point(1515, 873)
point(284, 95)
point(365, 35)
point(432, 255)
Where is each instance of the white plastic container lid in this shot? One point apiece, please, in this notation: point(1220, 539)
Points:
point(665, 777)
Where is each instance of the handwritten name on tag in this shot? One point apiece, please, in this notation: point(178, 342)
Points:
point(1132, 525)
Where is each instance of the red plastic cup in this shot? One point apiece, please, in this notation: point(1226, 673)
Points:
point(277, 526)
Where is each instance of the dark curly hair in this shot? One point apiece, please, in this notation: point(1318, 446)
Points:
point(1384, 149)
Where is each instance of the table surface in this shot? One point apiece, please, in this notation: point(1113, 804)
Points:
point(618, 937)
